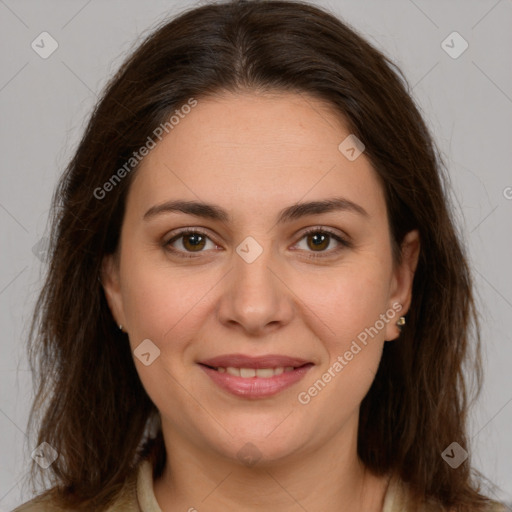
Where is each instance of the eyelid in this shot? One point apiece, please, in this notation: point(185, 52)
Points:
point(176, 235)
point(324, 229)
point(342, 239)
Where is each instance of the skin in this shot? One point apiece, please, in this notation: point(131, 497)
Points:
point(253, 155)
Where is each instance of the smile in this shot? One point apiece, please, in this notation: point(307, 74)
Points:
point(247, 373)
point(255, 377)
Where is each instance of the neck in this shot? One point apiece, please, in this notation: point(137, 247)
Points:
point(330, 478)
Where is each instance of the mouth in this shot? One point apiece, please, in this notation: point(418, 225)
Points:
point(255, 377)
point(247, 373)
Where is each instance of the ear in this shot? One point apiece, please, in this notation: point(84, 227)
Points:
point(401, 285)
point(111, 285)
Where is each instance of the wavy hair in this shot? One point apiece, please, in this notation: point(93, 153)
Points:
point(90, 405)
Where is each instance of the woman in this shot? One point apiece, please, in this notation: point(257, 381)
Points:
point(257, 298)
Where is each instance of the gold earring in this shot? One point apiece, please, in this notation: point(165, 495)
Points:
point(401, 322)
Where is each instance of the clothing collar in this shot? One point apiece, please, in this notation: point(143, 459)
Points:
point(395, 499)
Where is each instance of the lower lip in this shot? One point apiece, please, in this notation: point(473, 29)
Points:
point(256, 387)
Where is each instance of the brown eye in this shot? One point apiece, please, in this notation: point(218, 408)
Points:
point(193, 242)
point(189, 241)
point(319, 240)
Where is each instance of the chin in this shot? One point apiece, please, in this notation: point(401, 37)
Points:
point(260, 443)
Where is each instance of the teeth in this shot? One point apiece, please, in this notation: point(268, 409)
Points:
point(264, 372)
point(248, 373)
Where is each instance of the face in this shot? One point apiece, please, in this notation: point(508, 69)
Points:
point(267, 324)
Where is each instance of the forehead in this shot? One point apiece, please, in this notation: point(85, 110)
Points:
point(247, 151)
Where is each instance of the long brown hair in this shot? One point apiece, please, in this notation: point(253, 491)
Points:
point(90, 405)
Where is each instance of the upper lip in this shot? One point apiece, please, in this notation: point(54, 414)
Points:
point(243, 361)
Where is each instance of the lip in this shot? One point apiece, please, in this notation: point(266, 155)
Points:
point(255, 387)
point(243, 361)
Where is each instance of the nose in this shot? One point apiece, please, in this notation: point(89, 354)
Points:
point(255, 298)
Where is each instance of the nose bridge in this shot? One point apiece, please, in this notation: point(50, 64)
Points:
point(256, 297)
point(258, 254)
point(252, 270)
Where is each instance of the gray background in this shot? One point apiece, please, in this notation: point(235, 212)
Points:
point(467, 102)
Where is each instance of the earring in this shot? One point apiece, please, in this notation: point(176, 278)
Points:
point(120, 327)
point(401, 322)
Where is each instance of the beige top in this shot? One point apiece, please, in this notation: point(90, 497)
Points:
point(138, 496)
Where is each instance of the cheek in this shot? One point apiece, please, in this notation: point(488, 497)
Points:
point(165, 304)
point(349, 300)
point(353, 340)
point(163, 307)
point(151, 300)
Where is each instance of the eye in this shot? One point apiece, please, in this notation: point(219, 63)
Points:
point(318, 239)
point(191, 240)
point(194, 241)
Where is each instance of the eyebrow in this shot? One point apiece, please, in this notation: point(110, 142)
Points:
point(293, 212)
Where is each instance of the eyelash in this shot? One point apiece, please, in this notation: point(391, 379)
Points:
point(344, 243)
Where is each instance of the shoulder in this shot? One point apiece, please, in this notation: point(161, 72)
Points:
point(495, 506)
point(39, 504)
point(126, 500)
point(499, 507)
point(398, 499)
